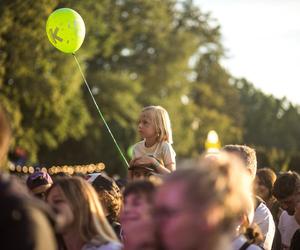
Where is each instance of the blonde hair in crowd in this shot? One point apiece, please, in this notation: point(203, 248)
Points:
point(90, 219)
point(160, 117)
point(220, 181)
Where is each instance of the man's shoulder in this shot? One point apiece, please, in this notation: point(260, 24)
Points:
point(284, 215)
point(285, 218)
point(262, 208)
point(262, 213)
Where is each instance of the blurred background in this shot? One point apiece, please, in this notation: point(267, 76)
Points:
point(135, 53)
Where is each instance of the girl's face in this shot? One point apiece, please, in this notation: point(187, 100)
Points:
point(65, 216)
point(146, 127)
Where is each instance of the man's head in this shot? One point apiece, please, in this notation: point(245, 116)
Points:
point(286, 188)
point(197, 206)
point(246, 154)
point(264, 182)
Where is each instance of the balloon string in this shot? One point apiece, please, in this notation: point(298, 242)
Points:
point(100, 113)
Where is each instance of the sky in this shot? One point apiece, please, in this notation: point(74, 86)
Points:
point(263, 42)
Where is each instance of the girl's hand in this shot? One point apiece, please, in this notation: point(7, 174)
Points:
point(132, 162)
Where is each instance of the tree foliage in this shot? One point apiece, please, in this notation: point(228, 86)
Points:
point(269, 123)
point(40, 87)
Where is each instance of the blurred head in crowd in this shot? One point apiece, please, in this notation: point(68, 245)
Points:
point(109, 195)
point(200, 207)
point(286, 190)
point(38, 183)
point(264, 182)
point(5, 136)
point(79, 211)
point(297, 209)
point(121, 183)
point(140, 172)
point(246, 154)
point(136, 216)
point(23, 221)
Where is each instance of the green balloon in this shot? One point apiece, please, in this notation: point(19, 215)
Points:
point(130, 151)
point(65, 30)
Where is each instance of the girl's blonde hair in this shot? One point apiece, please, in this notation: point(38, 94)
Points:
point(160, 117)
point(90, 220)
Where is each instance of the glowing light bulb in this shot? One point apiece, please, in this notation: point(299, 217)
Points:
point(212, 143)
point(212, 137)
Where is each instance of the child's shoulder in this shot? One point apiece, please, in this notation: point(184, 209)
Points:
point(139, 144)
point(165, 145)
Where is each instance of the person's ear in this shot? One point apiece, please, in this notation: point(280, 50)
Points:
point(158, 133)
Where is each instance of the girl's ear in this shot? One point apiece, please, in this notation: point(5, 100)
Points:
point(158, 133)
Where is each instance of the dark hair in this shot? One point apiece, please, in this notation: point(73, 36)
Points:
point(267, 177)
point(38, 182)
point(109, 195)
point(142, 187)
point(286, 185)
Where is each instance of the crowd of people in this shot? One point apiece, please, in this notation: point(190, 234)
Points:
point(220, 201)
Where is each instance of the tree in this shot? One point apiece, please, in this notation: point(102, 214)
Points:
point(270, 123)
point(144, 53)
point(217, 100)
point(40, 87)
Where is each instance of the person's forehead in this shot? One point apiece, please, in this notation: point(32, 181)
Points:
point(140, 170)
point(171, 193)
point(135, 196)
point(146, 115)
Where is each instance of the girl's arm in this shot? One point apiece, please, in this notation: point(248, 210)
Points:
point(168, 158)
point(161, 169)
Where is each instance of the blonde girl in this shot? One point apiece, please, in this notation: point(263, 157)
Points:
point(155, 150)
point(83, 225)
